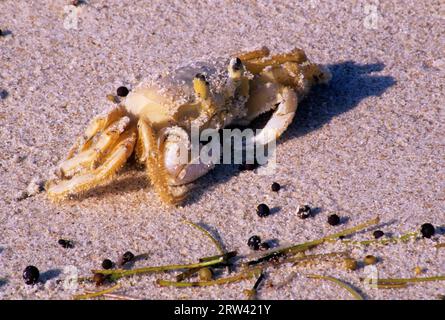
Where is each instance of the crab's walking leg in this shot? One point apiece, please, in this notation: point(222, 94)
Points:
point(257, 65)
point(154, 158)
point(255, 54)
point(88, 158)
point(113, 162)
point(98, 124)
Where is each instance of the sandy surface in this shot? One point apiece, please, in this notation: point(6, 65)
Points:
point(372, 143)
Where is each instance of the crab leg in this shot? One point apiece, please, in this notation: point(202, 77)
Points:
point(89, 157)
point(255, 54)
point(257, 65)
point(142, 146)
point(113, 162)
point(97, 124)
point(155, 163)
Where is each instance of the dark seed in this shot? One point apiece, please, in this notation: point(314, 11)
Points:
point(107, 264)
point(427, 230)
point(264, 246)
point(378, 234)
point(127, 257)
point(99, 279)
point(67, 244)
point(263, 210)
point(304, 212)
point(275, 187)
point(254, 242)
point(1, 32)
point(333, 219)
point(122, 91)
point(31, 275)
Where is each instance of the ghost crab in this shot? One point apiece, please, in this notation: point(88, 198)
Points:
point(155, 119)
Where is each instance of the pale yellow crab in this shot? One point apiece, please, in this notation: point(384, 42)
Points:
point(155, 119)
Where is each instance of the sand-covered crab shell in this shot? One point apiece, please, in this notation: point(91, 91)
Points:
point(170, 99)
point(156, 118)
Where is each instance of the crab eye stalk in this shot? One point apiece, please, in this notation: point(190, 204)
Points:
point(200, 76)
point(201, 86)
point(236, 64)
point(236, 68)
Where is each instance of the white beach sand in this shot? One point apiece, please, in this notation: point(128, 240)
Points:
point(372, 143)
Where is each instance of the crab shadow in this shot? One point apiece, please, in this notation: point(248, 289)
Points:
point(133, 182)
point(351, 83)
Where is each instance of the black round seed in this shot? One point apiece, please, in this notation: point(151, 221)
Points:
point(264, 246)
point(304, 212)
point(107, 264)
point(67, 244)
point(254, 242)
point(263, 210)
point(127, 257)
point(122, 91)
point(275, 187)
point(427, 230)
point(333, 219)
point(378, 234)
point(31, 275)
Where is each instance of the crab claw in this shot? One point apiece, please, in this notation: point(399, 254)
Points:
point(281, 118)
point(181, 167)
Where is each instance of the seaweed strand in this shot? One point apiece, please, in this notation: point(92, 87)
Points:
point(119, 273)
point(403, 238)
point(208, 235)
point(313, 257)
point(96, 294)
point(311, 244)
point(242, 276)
point(407, 280)
point(342, 284)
